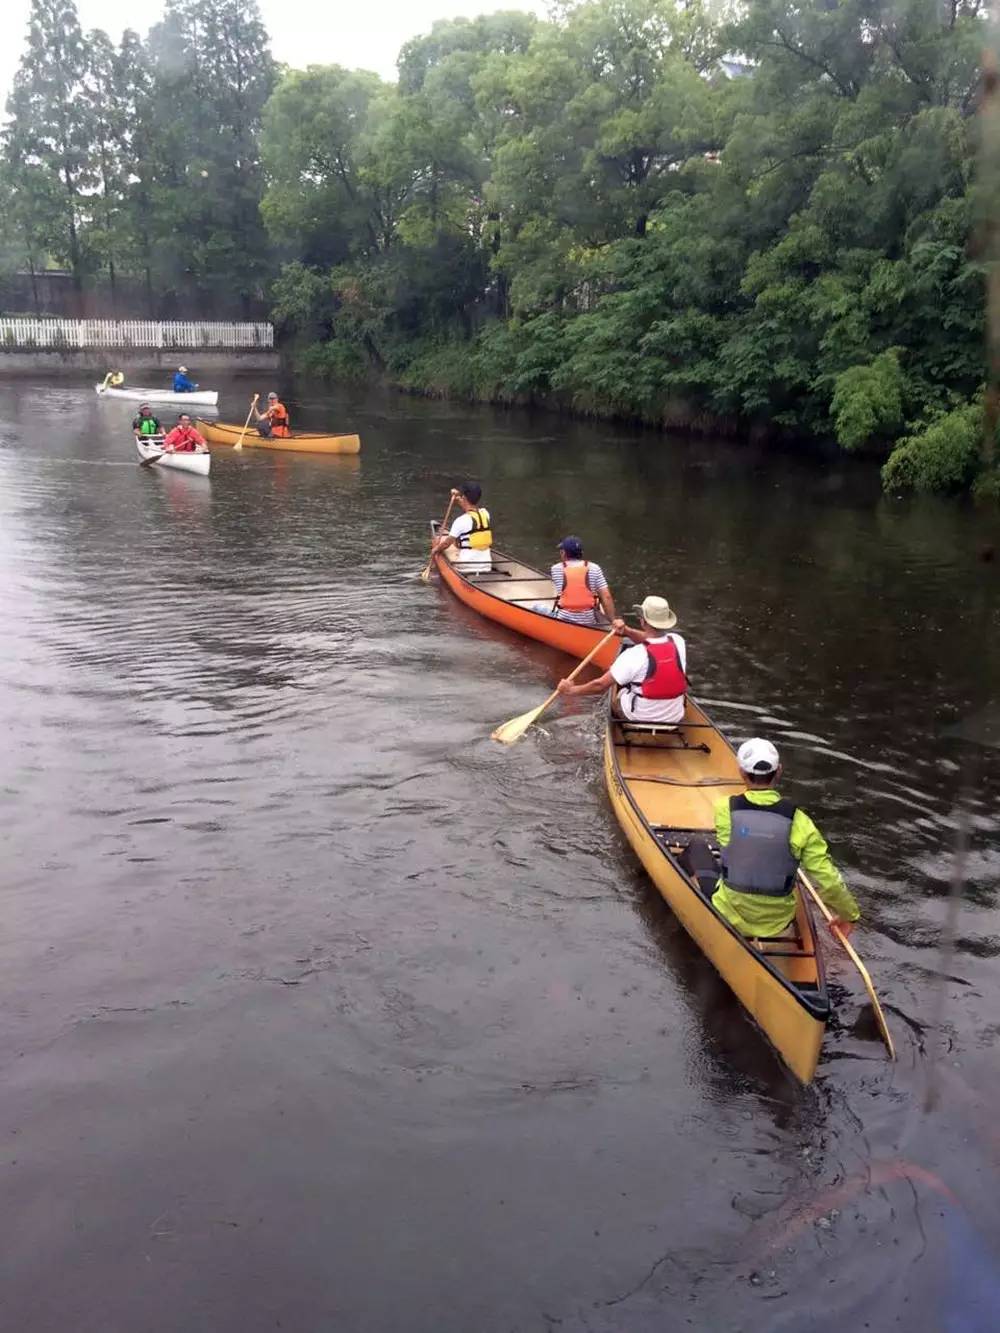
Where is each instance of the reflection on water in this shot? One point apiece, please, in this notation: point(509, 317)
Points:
point(314, 996)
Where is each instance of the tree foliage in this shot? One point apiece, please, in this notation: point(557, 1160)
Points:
point(142, 158)
point(613, 210)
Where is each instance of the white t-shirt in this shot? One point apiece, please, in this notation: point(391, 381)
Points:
point(472, 562)
point(631, 668)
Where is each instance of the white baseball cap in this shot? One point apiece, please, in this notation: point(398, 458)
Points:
point(183, 369)
point(757, 757)
point(656, 611)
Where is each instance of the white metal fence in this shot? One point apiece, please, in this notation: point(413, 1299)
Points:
point(118, 334)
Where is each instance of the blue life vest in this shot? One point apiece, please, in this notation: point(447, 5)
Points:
point(758, 857)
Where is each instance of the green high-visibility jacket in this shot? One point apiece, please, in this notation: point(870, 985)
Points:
point(759, 915)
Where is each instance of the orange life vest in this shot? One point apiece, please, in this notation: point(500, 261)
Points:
point(277, 414)
point(576, 596)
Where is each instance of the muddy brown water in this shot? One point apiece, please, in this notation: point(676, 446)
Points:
point(318, 1011)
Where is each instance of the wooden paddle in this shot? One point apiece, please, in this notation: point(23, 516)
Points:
point(508, 732)
point(852, 954)
point(148, 462)
point(239, 442)
point(425, 576)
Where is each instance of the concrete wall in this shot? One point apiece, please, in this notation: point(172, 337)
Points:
point(200, 364)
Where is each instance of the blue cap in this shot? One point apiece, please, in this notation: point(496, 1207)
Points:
point(571, 546)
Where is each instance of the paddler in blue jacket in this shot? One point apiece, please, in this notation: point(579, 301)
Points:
point(764, 839)
point(181, 382)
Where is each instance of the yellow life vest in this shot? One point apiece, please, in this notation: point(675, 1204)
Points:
point(481, 536)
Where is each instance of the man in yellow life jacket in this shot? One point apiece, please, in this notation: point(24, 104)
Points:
point(764, 839)
point(581, 588)
point(471, 532)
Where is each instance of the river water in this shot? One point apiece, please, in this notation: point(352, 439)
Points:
point(318, 1010)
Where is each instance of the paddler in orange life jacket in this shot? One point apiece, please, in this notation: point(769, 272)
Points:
point(471, 532)
point(274, 420)
point(764, 839)
point(650, 675)
point(581, 588)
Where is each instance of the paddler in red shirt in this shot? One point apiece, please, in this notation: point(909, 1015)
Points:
point(184, 439)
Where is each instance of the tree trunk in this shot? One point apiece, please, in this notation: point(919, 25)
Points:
point(34, 285)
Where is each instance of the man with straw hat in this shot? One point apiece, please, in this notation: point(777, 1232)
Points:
point(650, 675)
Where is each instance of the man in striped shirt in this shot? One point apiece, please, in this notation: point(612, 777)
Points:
point(581, 588)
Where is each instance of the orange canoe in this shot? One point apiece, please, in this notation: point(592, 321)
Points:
point(506, 595)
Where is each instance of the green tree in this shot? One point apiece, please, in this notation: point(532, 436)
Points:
point(651, 228)
point(106, 104)
point(212, 74)
point(47, 143)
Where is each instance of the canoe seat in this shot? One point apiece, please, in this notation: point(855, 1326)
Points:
point(670, 729)
point(647, 728)
point(782, 946)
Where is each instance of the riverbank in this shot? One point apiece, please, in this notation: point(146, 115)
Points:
point(943, 452)
point(453, 373)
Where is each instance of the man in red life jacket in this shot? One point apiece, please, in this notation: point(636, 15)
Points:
point(581, 588)
point(184, 439)
point(650, 676)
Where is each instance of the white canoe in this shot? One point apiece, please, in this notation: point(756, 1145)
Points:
point(199, 463)
point(199, 398)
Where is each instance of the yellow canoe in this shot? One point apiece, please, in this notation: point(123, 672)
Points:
point(663, 785)
point(300, 442)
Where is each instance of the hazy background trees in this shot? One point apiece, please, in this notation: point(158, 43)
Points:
point(142, 159)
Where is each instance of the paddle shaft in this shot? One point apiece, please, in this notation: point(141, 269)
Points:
point(853, 955)
point(611, 634)
point(425, 575)
point(253, 404)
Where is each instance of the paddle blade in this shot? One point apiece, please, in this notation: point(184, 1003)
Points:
point(425, 574)
point(508, 732)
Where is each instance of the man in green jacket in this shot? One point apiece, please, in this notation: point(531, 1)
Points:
point(764, 839)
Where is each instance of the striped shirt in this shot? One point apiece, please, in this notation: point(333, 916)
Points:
point(596, 582)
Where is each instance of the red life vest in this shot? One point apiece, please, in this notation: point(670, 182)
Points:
point(183, 440)
point(664, 679)
point(576, 596)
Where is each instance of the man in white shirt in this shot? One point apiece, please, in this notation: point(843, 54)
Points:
point(651, 675)
point(471, 532)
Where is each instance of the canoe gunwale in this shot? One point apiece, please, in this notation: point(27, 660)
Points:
point(816, 1004)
